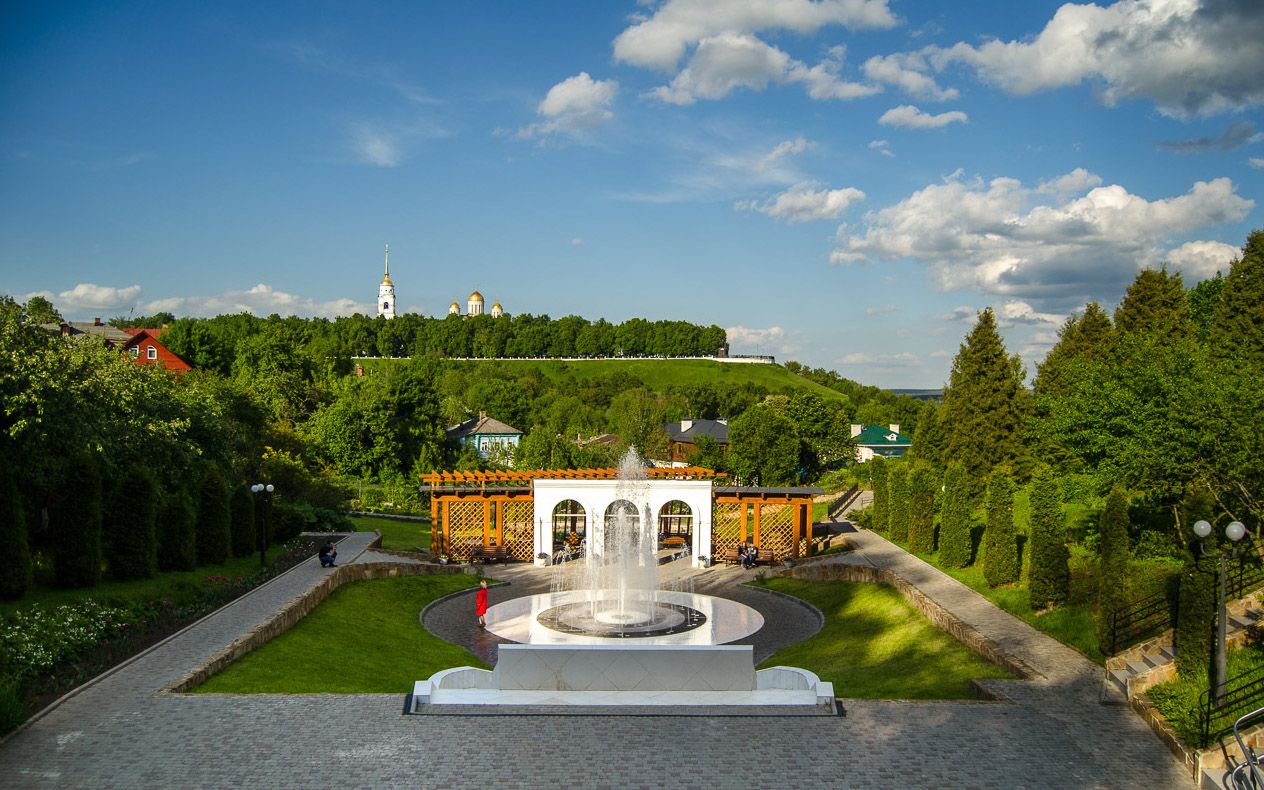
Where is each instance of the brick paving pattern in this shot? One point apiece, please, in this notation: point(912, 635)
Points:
point(123, 732)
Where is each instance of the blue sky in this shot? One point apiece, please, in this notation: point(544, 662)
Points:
point(840, 182)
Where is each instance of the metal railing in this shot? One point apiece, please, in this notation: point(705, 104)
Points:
point(1242, 694)
point(1247, 774)
point(843, 501)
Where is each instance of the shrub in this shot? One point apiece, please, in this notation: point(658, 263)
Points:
point(954, 523)
point(12, 702)
point(1000, 558)
point(76, 524)
point(16, 577)
point(881, 495)
point(922, 484)
point(1112, 591)
point(1196, 604)
point(245, 539)
point(214, 519)
point(898, 502)
point(133, 552)
point(177, 543)
point(35, 639)
point(1050, 574)
point(285, 522)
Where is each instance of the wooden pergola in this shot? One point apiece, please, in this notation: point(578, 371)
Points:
point(481, 478)
point(779, 519)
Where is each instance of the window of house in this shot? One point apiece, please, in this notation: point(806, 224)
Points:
point(135, 352)
point(151, 352)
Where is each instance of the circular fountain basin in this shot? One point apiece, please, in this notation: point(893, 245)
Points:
point(592, 617)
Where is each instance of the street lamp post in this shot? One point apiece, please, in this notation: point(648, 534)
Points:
point(1234, 532)
point(263, 488)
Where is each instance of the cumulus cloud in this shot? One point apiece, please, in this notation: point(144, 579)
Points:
point(1007, 239)
point(804, 203)
point(881, 310)
point(1019, 313)
point(909, 116)
point(723, 63)
point(660, 40)
point(1256, 161)
point(262, 299)
point(901, 359)
point(1236, 136)
point(1078, 180)
point(86, 297)
point(882, 147)
point(962, 314)
point(907, 71)
point(773, 338)
point(1198, 260)
point(1187, 56)
point(573, 106)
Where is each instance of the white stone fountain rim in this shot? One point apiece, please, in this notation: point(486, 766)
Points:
point(727, 621)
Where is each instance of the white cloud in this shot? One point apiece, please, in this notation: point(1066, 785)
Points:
point(574, 106)
point(577, 242)
point(1017, 312)
point(881, 146)
point(375, 146)
point(909, 116)
point(963, 314)
point(771, 339)
point(1198, 260)
point(907, 71)
point(803, 203)
point(782, 151)
point(824, 83)
point(262, 299)
point(939, 353)
point(1189, 57)
point(901, 359)
point(660, 40)
point(1003, 238)
point(89, 297)
point(1078, 180)
point(882, 310)
point(1256, 161)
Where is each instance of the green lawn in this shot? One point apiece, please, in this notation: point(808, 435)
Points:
point(874, 645)
point(178, 586)
point(1178, 700)
point(397, 535)
point(365, 638)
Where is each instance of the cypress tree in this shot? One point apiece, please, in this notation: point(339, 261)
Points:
point(897, 483)
point(1155, 305)
point(16, 578)
point(1050, 574)
point(1000, 553)
point(921, 532)
point(985, 403)
point(928, 436)
point(76, 524)
point(1195, 633)
point(954, 529)
point(881, 495)
point(243, 522)
point(214, 519)
point(1239, 325)
point(1112, 576)
point(133, 552)
point(177, 545)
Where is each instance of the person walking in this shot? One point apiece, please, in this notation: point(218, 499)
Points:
point(480, 603)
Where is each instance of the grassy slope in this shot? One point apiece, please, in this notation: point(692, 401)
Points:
point(397, 535)
point(365, 638)
point(876, 646)
point(657, 374)
point(175, 585)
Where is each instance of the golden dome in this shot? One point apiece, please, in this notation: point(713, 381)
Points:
point(476, 297)
point(386, 280)
point(454, 304)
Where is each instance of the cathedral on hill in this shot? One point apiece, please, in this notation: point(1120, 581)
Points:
point(386, 291)
point(474, 306)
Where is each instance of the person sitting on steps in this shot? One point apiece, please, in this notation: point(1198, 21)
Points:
point(327, 555)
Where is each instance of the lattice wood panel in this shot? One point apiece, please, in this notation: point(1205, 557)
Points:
point(726, 526)
point(776, 530)
point(519, 529)
point(465, 528)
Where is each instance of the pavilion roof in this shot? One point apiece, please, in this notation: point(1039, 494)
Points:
point(494, 476)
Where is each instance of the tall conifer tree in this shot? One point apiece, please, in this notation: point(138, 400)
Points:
point(1083, 336)
point(1112, 578)
point(16, 578)
point(1239, 327)
point(954, 529)
point(243, 522)
point(922, 484)
point(177, 532)
point(1155, 305)
point(985, 403)
point(1000, 553)
point(130, 526)
point(1196, 603)
point(928, 436)
point(76, 524)
point(881, 495)
point(1050, 574)
point(214, 519)
point(897, 482)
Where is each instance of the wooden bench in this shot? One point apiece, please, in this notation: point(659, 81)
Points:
point(732, 557)
point(486, 554)
point(674, 542)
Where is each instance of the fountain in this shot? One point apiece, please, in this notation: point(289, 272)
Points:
point(608, 633)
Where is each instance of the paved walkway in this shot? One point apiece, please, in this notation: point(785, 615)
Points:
point(120, 732)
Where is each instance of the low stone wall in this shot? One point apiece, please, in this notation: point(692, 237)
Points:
point(939, 616)
point(299, 607)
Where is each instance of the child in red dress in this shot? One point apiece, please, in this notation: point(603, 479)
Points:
point(480, 603)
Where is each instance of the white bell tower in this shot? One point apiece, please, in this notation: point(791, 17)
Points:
point(386, 291)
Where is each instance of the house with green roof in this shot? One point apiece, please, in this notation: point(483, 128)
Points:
point(491, 438)
point(874, 440)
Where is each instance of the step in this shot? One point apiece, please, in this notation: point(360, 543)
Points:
point(1156, 659)
point(1138, 667)
point(1168, 652)
point(1120, 678)
point(1238, 622)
